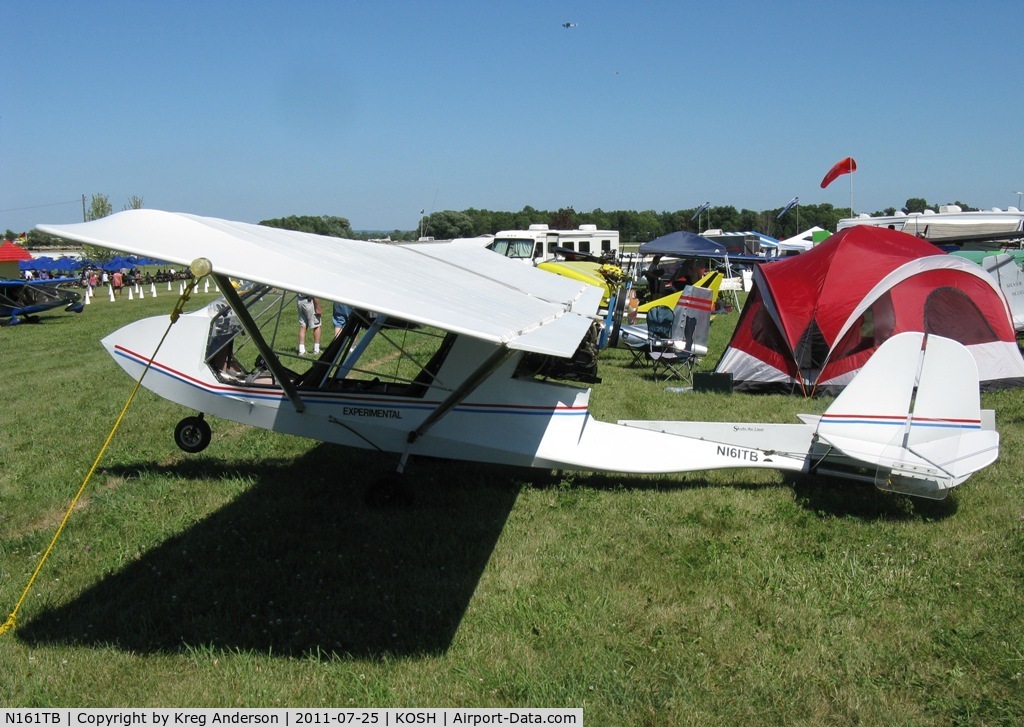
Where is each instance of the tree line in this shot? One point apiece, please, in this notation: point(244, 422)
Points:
point(633, 226)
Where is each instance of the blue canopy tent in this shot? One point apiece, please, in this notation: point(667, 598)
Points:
point(141, 261)
point(42, 262)
point(117, 263)
point(120, 261)
point(690, 244)
point(683, 244)
point(45, 264)
point(68, 263)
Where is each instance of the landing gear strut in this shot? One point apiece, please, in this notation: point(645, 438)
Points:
point(192, 434)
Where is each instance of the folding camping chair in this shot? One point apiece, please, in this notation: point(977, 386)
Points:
point(676, 357)
point(661, 350)
point(636, 343)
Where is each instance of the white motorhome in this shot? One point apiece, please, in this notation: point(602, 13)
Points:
point(538, 243)
point(949, 221)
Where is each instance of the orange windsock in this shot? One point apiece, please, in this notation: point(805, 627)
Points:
point(843, 166)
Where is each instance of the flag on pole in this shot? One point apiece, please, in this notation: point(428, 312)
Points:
point(843, 166)
point(703, 208)
point(792, 203)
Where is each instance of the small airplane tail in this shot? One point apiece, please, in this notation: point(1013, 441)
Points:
point(913, 414)
point(712, 281)
point(1010, 277)
point(692, 318)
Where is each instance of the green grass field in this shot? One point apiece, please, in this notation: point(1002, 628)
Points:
point(254, 575)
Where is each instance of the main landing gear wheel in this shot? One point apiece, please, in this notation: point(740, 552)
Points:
point(192, 434)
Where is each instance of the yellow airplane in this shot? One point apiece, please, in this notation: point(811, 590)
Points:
point(590, 272)
point(712, 280)
point(585, 271)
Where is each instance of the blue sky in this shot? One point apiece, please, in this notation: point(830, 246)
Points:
point(373, 110)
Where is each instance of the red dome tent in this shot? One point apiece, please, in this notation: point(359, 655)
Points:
point(811, 321)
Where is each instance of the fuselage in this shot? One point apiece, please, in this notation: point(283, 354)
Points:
point(507, 418)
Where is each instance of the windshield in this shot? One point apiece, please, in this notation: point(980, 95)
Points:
point(360, 350)
point(517, 248)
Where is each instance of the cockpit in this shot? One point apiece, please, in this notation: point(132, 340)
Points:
point(370, 352)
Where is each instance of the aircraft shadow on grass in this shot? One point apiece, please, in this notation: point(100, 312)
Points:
point(298, 564)
point(824, 496)
point(861, 500)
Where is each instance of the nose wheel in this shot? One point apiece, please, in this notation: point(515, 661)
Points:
point(192, 434)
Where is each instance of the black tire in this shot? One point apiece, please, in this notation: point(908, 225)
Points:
point(192, 434)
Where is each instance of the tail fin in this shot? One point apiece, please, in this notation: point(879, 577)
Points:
point(914, 414)
point(1008, 274)
point(712, 281)
point(691, 321)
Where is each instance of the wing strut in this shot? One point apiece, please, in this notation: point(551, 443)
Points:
point(269, 357)
point(488, 367)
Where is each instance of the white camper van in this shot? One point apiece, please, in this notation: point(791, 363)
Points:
point(538, 243)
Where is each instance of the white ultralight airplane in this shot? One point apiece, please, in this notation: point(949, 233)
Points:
point(450, 352)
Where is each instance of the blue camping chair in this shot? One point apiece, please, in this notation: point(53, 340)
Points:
point(675, 358)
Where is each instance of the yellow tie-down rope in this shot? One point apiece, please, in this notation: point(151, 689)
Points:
point(200, 268)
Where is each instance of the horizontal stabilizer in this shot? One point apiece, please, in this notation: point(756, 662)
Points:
point(890, 458)
point(946, 462)
point(961, 455)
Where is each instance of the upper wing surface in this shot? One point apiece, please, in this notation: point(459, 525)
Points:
point(467, 290)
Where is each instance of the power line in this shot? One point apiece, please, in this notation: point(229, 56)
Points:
point(40, 206)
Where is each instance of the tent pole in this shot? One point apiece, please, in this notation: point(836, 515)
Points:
point(735, 294)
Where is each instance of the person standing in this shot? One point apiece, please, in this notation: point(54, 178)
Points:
point(309, 318)
point(340, 315)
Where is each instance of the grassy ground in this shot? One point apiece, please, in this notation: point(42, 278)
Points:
point(253, 574)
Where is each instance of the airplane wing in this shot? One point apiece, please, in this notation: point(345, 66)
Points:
point(462, 289)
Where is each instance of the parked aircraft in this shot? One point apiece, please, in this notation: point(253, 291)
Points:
point(454, 352)
point(20, 300)
point(1005, 269)
point(712, 281)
